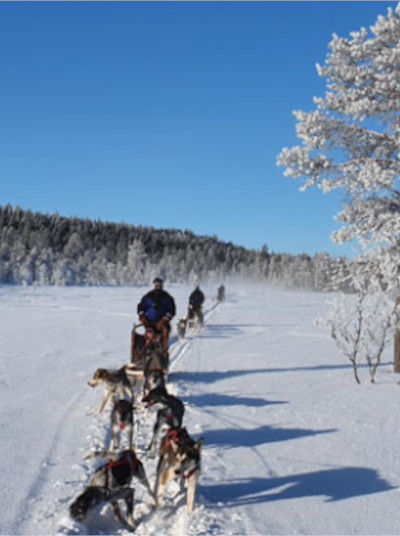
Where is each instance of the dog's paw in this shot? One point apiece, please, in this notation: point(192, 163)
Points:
point(130, 522)
point(153, 500)
point(70, 526)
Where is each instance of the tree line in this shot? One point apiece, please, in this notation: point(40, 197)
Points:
point(48, 249)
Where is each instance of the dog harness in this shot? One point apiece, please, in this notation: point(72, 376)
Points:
point(121, 469)
point(179, 436)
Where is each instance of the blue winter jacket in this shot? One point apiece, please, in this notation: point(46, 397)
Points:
point(156, 304)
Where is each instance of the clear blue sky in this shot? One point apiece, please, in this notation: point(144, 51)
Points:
point(168, 114)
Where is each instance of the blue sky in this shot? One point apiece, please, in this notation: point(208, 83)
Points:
point(169, 114)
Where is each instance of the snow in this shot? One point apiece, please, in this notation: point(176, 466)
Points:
point(292, 444)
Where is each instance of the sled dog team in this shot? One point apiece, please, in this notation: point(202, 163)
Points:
point(178, 453)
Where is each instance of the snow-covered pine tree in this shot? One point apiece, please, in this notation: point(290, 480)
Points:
point(136, 262)
point(351, 141)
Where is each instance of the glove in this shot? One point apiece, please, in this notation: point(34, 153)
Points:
point(161, 323)
point(144, 320)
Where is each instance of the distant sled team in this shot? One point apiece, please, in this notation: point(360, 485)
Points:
point(179, 454)
point(194, 318)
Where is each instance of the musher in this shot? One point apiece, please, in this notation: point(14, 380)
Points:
point(155, 310)
point(196, 300)
point(221, 293)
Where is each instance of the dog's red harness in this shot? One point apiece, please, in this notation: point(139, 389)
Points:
point(178, 436)
point(131, 462)
point(172, 436)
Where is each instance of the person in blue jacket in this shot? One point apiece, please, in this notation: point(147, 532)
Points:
point(156, 309)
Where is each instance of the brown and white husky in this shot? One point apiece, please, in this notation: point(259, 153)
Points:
point(180, 458)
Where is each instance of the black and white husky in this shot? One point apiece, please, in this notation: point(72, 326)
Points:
point(122, 418)
point(153, 379)
point(111, 483)
point(170, 412)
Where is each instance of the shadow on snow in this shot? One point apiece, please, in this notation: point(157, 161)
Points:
point(232, 437)
point(216, 375)
point(215, 399)
point(334, 484)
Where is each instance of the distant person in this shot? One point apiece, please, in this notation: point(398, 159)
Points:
point(196, 300)
point(156, 309)
point(221, 293)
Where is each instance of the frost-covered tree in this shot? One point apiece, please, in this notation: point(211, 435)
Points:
point(351, 141)
point(74, 246)
point(362, 323)
point(136, 262)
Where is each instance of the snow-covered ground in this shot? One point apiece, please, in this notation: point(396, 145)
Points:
point(292, 444)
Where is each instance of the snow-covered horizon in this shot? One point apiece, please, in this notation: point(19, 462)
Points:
point(292, 444)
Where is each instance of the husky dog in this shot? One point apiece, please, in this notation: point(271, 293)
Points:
point(154, 371)
point(170, 412)
point(153, 380)
point(110, 483)
point(121, 417)
point(181, 327)
point(115, 382)
point(195, 318)
point(179, 460)
point(138, 343)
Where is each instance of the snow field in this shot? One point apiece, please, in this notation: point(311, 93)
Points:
point(292, 444)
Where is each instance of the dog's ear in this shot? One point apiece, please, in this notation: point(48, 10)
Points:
point(199, 443)
point(101, 373)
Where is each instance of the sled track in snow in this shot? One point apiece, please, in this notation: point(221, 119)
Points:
point(179, 348)
point(44, 469)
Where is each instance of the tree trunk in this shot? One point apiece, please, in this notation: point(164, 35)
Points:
point(397, 351)
point(396, 367)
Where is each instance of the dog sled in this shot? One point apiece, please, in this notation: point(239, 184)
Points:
point(193, 321)
point(147, 352)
